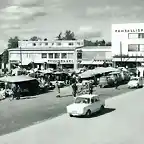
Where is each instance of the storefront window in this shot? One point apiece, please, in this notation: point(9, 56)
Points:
point(57, 55)
point(64, 55)
point(50, 55)
point(44, 55)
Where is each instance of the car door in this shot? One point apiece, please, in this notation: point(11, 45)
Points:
point(92, 105)
point(97, 103)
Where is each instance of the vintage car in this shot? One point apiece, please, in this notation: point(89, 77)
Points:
point(85, 105)
point(135, 82)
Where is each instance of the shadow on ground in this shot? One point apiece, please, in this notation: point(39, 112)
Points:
point(97, 114)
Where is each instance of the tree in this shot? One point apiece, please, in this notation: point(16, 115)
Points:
point(5, 56)
point(108, 44)
point(59, 37)
point(102, 43)
point(69, 35)
point(13, 42)
point(35, 38)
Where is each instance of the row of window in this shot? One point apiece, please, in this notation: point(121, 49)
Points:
point(57, 55)
point(135, 35)
point(57, 44)
point(136, 47)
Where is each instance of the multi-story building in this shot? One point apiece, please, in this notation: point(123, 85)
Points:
point(40, 52)
point(128, 43)
point(65, 53)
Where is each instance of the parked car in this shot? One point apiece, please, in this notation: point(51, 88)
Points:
point(85, 105)
point(135, 82)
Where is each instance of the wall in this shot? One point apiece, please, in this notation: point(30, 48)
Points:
point(120, 34)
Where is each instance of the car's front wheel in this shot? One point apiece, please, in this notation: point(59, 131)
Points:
point(88, 113)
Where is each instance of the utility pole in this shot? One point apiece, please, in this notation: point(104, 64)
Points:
point(121, 52)
point(20, 56)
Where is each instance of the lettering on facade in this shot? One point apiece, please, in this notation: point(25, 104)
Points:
point(130, 30)
point(61, 61)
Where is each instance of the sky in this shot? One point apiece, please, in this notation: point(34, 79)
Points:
point(89, 19)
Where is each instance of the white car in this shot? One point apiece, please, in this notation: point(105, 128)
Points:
point(85, 105)
point(135, 82)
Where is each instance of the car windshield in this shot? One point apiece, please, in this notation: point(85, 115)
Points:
point(82, 100)
point(134, 79)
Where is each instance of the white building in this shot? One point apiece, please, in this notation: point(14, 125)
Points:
point(63, 52)
point(40, 52)
point(128, 43)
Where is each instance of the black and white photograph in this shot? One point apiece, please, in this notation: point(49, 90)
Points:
point(71, 72)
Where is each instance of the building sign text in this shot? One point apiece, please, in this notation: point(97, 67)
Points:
point(61, 61)
point(130, 30)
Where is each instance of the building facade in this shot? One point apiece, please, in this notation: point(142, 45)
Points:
point(64, 53)
point(128, 43)
point(40, 52)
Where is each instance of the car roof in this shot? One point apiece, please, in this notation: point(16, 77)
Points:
point(87, 96)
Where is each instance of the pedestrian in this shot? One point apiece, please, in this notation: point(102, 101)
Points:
point(116, 84)
point(18, 90)
point(13, 88)
point(90, 87)
point(74, 89)
point(57, 89)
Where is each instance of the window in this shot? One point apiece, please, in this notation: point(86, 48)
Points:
point(44, 55)
point(57, 55)
point(133, 47)
point(133, 35)
point(141, 35)
point(78, 43)
point(71, 43)
point(64, 55)
point(70, 55)
point(50, 55)
point(142, 47)
point(58, 43)
point(34, 44)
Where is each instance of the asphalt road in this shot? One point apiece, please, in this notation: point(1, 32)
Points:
point(18, 114)
point(121, 122)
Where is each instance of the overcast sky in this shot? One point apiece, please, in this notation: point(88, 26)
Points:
point(46, 18)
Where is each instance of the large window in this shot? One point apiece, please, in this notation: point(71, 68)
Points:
point(50, 55)
point(64, 55)
point(57, 55)
point(44, 55)
point(141, 35)
point(133, 47)
point(133, 35)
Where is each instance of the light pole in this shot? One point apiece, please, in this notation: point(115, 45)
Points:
point(20, 56)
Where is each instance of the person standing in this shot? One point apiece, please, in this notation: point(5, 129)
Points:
point(18, 90)
point(74, 89)
point(58, 89)
point(90, 88)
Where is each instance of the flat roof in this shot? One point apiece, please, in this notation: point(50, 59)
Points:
point(20, 78)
